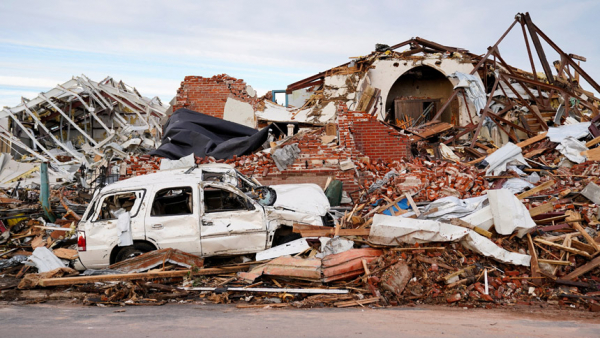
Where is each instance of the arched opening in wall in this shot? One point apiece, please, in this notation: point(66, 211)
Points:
point(417, 95)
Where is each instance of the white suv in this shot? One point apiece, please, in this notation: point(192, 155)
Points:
point(207, 211)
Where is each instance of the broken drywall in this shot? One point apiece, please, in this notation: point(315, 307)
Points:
point(239, 112)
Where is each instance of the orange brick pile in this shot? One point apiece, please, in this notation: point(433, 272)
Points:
point(429, 180)
point(139, 165)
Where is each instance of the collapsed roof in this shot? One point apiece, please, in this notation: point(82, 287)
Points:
point(80, 121)
point(428, 82)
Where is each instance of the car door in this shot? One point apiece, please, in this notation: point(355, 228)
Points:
point(173, 218)
point(101, 229)
point(231, 223)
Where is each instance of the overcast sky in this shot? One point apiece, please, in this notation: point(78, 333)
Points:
point(152, 45)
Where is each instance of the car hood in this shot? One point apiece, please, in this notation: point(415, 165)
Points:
point(305, 198)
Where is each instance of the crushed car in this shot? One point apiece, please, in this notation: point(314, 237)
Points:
point(206, 210)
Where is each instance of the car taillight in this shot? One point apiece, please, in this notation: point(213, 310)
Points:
point(81, 241)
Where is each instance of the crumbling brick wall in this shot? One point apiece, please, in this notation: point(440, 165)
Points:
point(209, 95)
point(315, 164)
point(360, 135)
point(370, 137)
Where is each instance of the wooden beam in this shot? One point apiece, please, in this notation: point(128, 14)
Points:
point(593, 142)
point(320, 231)
point(592, 154)
point(553, 262)
point(412, 204)
point(533, 34)
point(475, 161)
point(535, 190)
point(582, 246)
point(532, 140)
point(573, 216)
point(136, 276)
point(565, 248)
point(426, 248)
point(535, 268)
point(560, 237)
point(357, 302)
point(461, 223)
point(542, 209)
point(584, 268)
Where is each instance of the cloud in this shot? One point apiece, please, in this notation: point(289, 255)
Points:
point(12, 97)
point(152, 44)
point(19, 81)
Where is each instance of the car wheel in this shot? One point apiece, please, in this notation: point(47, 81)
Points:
point(132, 251)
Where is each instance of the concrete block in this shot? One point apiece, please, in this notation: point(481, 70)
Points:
point(592, 192)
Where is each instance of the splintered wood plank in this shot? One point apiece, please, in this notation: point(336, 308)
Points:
point(357, 302)
point(565, 248)
point(542, 209)
point(65, 253)
point(573, 216)
point(584, 268)
point(532, 140)
point(534, 152)
point(535, 268)
point(464, 224)
point(331, 232)
point(475, 160)
point(553, 262)
point(535, 190)
point(424, 248)
point(593, 142)
point(320, 231)
point(412, 204)
point(137, 276)
point(592, 154)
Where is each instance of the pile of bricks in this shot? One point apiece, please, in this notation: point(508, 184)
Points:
point(427, 180)
point(139, 165)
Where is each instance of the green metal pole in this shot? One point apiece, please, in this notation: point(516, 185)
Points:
point(45, 192)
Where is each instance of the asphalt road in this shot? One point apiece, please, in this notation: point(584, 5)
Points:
point(188, 320)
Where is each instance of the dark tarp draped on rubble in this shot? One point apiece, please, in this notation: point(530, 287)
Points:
point(188, 132)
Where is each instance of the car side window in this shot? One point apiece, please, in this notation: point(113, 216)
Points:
point(129, 201)
point(219, 200)
point(173, 201)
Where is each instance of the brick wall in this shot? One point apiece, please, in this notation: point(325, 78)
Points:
point(208, 95)
point(315, 164)
point(360, 135)
point(370, 137)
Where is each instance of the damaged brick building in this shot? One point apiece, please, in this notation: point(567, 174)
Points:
point(392, 104)
point(473, 182)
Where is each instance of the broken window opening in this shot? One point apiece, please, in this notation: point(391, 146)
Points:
point(239, 181)
point(219, 200)
point(129, 201)
point(173, 201)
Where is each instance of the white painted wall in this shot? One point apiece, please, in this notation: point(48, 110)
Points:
point(239, 112)
point(385, 74)
point(298, 97)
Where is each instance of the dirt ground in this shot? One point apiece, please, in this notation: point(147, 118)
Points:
point(187, 320)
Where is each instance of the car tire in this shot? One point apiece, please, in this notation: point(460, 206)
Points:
point(134, 250)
